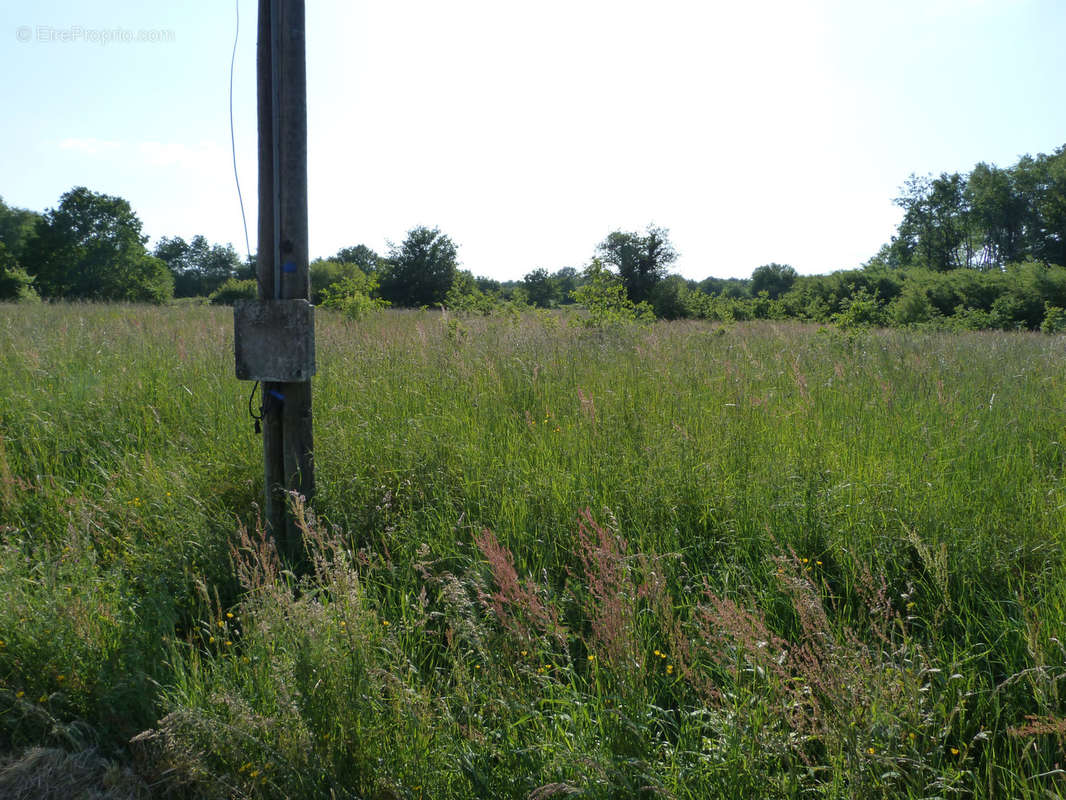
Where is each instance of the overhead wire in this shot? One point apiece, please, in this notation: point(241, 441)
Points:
point(232, 136)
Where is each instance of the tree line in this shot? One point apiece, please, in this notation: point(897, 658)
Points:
point(985, 249)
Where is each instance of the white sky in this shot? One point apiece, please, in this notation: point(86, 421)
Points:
point(754, 131)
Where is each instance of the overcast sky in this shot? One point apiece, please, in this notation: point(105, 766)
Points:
point(754, 131)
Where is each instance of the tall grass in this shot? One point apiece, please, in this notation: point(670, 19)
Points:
point(684, 560)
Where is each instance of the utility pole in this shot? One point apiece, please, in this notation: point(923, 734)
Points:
point(274, 335)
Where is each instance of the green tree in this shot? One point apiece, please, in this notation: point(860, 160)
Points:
point(933, 231)
point(671, 298)
point(774, 279)
point(233, 290)
point(368, 261)
point(326, 273)
point(604, 297)
point(15, 282)
point(542, 290)
point(16, 228)
point(566, 279)
point(91, 247)
point(997, 214)
point(641, 259)
point(198, 267)
point(421, 270)
point(466, 295)
point(1046, 184)
point(353, 294)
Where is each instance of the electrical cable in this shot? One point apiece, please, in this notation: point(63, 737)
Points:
point(251, 413)
point(232, 137)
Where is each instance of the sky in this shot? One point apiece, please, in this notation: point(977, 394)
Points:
point(755, 132)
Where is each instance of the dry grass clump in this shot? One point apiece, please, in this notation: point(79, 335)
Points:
point(49, 773)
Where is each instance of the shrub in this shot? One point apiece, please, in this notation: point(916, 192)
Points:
point(233, 290)
point(1054, 319)
point(352, 296)
point(912, 307)
point(861, 310)
point(604, 297)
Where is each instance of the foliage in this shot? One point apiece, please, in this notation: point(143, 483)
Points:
point(421, 270)
point(986, 219)
point(16, 228)
point(353, 295)
point(233, 290)
point(368, 261)
point(542, 288)
point(672, 298)
point(641, 259)
point(91, 248)
point(15, 283)
point(912, 306)
point(324, 274)
point(1054, 319)
point(774, 279)
point(198, 267)
point(604, 298)
point(466, 296)
point(861, 310)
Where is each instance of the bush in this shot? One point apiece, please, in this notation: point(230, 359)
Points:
point(862, 310)
point(352, 296)
point(327, 274)
point(233, 290)
point(17, 285)
point(912, 307)
point(605, 298)
point(1016, 310)
point(1054, 319)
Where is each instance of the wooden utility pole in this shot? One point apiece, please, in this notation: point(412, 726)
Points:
point(275, 334)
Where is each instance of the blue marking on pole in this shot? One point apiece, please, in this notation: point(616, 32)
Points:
point(277, 395)
point(289, 266)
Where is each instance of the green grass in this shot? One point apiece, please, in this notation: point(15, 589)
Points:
point(845, 547)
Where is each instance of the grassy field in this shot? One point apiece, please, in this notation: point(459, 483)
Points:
point(686, 561)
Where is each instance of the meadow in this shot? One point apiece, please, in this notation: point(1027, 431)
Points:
point(683, 560)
